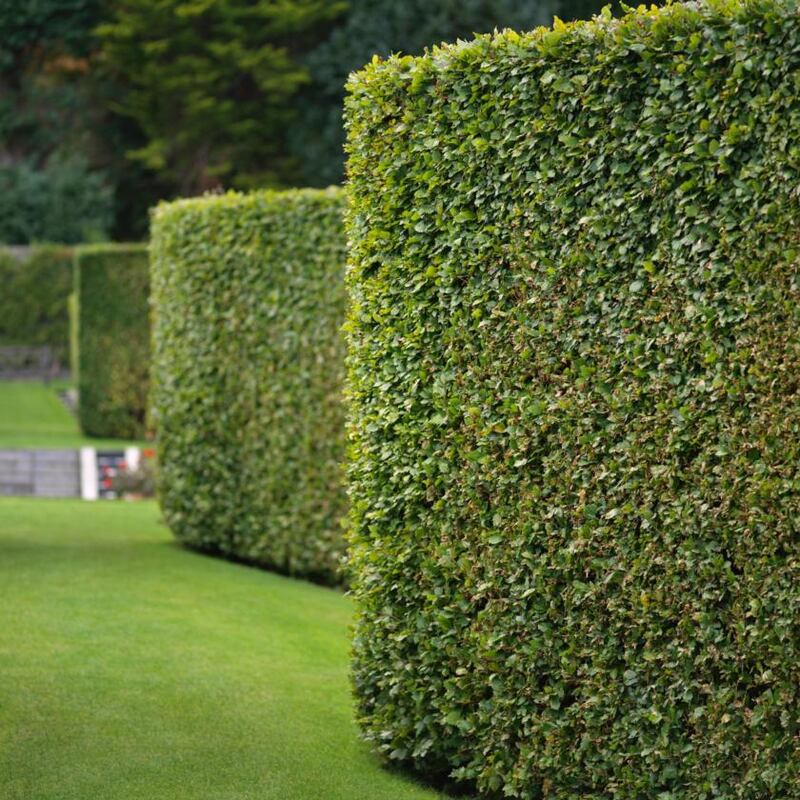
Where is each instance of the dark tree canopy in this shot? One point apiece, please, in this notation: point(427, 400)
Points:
point(211, 84)
point(49, 191)
point(32, 30)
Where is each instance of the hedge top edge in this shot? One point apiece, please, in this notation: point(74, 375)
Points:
point(234, 199)
point(109, 247)
point(637, 26)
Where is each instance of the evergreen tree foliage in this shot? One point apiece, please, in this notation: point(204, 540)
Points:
point(49, 190)
point(35, 29)
point(210, 83)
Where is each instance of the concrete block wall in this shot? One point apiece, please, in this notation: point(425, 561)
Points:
point(40, 473)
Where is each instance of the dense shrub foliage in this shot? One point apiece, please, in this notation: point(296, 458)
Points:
point(248, 298)
point(385, 27)
point(576, 420)
point(63, 201)
point(113, 339)
point(227, 124)
point(51, 189)
point(33, 299)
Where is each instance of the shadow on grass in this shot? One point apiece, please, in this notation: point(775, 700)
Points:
point(251, 563)
point(441, 783)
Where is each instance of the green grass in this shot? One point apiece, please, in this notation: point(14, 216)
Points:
point(31, 415)
point(131, 668)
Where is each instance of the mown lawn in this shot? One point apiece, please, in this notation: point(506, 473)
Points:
point(31, 415)
point(131, 668)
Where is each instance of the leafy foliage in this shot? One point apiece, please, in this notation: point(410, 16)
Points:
point(31, 29)
point(113, 339)
point(248, 299)
point(64, 201)
point(48, 189)
point(575, 426)
point(210, 84)
point(385, 27)
point(33, 301)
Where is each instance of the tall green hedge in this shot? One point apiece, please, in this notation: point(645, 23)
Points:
point(575, 376)
point(248, 296)
point(113, 339)
point(33, 299)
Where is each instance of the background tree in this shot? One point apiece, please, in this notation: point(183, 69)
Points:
point(210, 84)
point(385, 27)
point(49, 189)
point(107, 106)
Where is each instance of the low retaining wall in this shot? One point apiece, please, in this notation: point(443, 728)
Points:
point(86, 473)
point(40, 473)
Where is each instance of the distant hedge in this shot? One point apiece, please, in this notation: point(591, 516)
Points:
point(575, 376)
point(33, 299)
point(249, 298)
point(113, 339)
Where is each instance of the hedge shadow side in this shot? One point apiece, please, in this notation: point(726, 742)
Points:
point(249, 359)
point(574, 369)
point(33, 299)
point(112, 286)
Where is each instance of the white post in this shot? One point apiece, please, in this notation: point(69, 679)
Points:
point(89, 477)
point(132, 458)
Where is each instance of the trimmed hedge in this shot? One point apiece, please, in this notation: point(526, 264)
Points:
point(9, 269)
point(249, 298)
point(113, 339)
point(33, 300)
point(575, 375)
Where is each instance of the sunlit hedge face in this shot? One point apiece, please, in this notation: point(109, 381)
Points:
point(248, 302)
point(574, 363)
